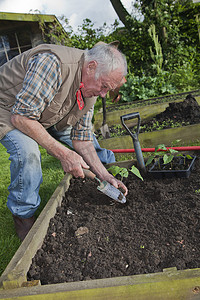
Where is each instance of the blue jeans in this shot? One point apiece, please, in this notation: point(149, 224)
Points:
point(26, 172)
point(106, 156)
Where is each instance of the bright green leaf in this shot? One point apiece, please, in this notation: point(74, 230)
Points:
point(167, 158)
point(135, 171)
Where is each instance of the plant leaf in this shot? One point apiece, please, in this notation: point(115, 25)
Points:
point(173, 151)
point(150, 159)
point(135, 171)
point(167, 158)
point(161, 146)
point(123, 172)
point(189, 156)
point(114, 170)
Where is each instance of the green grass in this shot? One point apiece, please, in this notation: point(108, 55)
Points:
point(52, 175)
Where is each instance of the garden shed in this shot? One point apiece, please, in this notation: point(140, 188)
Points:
point(20, 32)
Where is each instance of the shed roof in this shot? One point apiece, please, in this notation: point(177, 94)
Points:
point(8, 16)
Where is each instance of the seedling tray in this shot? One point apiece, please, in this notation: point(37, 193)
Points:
point(154, 172)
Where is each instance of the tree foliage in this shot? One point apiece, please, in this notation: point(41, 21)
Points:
point(160, 40)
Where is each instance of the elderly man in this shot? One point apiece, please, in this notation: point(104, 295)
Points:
point(47, 86)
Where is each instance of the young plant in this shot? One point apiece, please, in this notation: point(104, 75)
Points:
point(166, 154)
point(187, 156)
point(157, 154)
point(124, 172)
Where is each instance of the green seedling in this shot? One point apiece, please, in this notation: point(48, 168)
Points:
point(83, 261)
point(187, 156)
point(197, 191)
point(167, 155)
point(157, 154)
point(124, 172)
point(107, 239)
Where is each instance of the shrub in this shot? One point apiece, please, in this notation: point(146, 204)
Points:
point(137, 88)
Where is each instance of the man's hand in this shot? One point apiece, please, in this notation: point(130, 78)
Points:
point(118, 184)
point(73, 163)
point(115, 182)
point(88, 152)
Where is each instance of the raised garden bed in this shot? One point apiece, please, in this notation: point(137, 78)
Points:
point(176, 114)
point(150, 101)
point(91, 237)
point(187, 134)
point(154, 233)
point(147, 109)
point(179, 121)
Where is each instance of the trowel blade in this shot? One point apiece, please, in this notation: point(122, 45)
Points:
point(112, 192)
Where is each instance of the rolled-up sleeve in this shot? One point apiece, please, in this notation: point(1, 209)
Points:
point(83, 128)
point(41, 83)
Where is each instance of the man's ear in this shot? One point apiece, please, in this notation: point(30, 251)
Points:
point(91, 67)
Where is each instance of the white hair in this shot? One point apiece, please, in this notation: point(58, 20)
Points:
point(108, 59)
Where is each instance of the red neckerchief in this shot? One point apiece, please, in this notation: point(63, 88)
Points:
point(79, 97)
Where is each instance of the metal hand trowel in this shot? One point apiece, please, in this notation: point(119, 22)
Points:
point(106, 188)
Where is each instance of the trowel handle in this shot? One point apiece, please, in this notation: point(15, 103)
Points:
point(89, 174)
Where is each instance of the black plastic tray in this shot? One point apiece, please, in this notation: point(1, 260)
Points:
point(172, 173)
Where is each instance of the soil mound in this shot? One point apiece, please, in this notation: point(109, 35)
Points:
point(186, 111)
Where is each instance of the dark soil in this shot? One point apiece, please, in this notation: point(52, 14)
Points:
point(176, 114)
point(93, 237)
point(187, 111)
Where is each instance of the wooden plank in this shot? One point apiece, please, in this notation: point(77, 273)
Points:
point(168, 285)
point(186, 134)
point(15, 273)
point(147, 112)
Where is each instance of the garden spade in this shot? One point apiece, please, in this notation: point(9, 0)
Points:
point(106, 188)
point(135, 138)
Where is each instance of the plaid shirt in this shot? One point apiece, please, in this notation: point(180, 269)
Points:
point(41, 83)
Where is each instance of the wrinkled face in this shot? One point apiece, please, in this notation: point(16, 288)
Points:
point(98, 87)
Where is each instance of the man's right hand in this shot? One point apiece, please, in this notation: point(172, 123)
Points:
point(73, 163)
